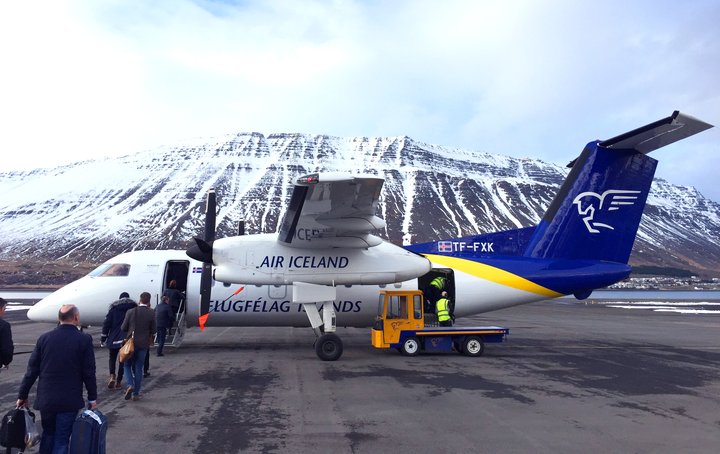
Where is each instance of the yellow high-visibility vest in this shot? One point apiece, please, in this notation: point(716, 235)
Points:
point(438, 282)
point(443, 309)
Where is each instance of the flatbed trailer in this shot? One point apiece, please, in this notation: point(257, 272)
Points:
point(400, 324)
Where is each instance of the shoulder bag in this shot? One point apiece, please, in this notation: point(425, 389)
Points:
point(128, 348)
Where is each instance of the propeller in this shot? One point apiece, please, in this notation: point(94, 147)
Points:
point(202, 251)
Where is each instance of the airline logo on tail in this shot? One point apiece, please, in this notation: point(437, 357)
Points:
point(591, 203)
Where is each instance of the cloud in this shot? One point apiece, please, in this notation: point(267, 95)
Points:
point(521, 78)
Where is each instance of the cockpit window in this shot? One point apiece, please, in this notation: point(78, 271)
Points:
point(111, 269)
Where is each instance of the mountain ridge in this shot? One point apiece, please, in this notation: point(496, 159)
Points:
point(92, 210)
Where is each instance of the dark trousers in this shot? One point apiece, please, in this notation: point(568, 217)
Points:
point(446, 323)
point(161, 335)
point(113, 361)
point(57, 428)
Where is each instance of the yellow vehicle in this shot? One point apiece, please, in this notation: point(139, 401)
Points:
point(400, 324)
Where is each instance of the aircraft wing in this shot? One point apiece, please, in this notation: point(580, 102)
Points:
point(332, 210)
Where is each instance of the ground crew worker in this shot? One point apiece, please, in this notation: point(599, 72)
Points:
point(442, 308)
point(434, 291)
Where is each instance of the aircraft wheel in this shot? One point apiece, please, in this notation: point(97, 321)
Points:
point(410, 347)
point(328, 347)
point(473, 346)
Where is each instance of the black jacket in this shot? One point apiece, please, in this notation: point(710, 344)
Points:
point(6, 343)
point(175, 297)
point(64, 361)
point(164, 316)
point(112, 326)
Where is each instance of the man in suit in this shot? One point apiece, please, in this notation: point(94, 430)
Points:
point(164, 319)
point(141, 322)
point(6, 342)
point(64, 361)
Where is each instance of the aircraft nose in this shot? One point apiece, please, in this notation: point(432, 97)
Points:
point(41, 312)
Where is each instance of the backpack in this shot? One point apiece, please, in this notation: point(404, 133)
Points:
point(12, 431)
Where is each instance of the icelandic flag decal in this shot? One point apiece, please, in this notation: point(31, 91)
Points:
point(445, 246)
point(197, 269)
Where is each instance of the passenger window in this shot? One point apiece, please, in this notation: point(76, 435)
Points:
point(403, 307)
point(99, 270)
point(117, 269)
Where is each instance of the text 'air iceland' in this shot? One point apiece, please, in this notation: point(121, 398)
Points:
point(304, 261)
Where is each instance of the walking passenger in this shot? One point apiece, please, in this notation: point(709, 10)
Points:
point(64, 361)
point(164, 319)
point(6, 342)
point(176, 297)
point(139, 321)
point(113, 336)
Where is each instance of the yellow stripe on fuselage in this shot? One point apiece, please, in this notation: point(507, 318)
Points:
point(492, 274)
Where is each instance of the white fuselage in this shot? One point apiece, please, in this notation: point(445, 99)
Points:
point(255, 305)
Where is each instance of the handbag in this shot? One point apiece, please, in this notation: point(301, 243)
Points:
point(128, 348)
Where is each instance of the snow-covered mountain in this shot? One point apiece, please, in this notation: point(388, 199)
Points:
point(93, 210)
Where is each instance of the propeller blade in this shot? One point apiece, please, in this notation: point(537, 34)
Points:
point(201, 251)
point(205, 247)
point(210, 211)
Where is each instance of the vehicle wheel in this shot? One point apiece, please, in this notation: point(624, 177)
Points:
point(410, 347)
point(328, 347)
point(473, 346)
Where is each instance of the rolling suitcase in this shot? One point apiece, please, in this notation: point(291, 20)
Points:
point(88, 433)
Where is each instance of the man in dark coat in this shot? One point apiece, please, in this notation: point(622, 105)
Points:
point(164, 319)
point(64, 361)
point(139, 321)
point(113, 336)
point(6, 343)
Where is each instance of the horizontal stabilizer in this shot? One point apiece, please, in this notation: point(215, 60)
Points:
point(658, 134)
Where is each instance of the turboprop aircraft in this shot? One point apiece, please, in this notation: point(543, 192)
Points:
point(324, 267)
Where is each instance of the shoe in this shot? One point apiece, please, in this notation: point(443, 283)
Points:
point(111, 382)
point(160, 354)
point(118, 384)
point(128, 393)
point(135, 398)
point(146, 374)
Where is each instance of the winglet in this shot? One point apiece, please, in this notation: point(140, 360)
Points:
point(202, 320)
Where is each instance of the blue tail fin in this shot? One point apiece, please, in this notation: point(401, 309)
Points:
point(597, 211)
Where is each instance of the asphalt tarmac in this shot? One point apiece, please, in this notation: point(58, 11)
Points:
point(572, 378)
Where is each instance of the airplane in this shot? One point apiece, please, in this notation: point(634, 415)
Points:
point(324, 268)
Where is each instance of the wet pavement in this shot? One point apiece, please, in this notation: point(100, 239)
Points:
point(571, 378)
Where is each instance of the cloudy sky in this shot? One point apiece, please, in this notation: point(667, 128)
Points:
point(81, 79)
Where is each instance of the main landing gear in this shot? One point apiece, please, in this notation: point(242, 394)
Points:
point(328, 345)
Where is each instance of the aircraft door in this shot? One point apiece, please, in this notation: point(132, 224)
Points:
point(177, 270)
point(432, 293)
